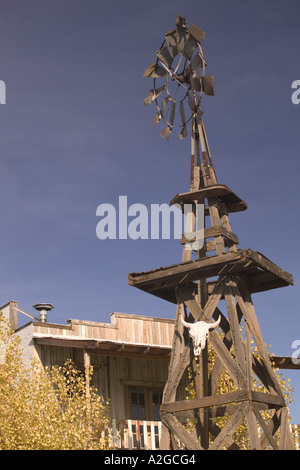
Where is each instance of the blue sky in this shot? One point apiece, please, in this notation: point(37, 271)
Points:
point(75, 134)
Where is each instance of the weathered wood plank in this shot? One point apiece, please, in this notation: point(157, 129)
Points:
point(224, 438)
point(248, 262)
point(267, 432)
point(271, 427)
point(180, 356)
point(215, 431)
point(286, 441)
point(188, 296)
point(205, 402)
point(218, 365)
point(225, 398)
point(268, 265)
point(215, 230)
point(253, 431)
point(201, 267)
point(236, 333)
point(226, 358)
point(267, 398)
point(233, 203)
point(284, 362)
point(176, 427)
point(251, 319)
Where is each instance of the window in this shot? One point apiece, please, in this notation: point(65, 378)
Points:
point(138, 409)
point(145, 403)
point(156, 402)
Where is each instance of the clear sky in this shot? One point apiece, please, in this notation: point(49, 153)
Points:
point(75, 134)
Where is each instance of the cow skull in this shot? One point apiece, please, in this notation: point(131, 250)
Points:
point(199, 332)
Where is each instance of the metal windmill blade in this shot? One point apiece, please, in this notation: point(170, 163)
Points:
point(179, 79)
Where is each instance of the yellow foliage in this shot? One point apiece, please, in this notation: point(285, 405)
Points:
point(47, 409)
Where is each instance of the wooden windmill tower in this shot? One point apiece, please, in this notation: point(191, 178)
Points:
point(211, 273)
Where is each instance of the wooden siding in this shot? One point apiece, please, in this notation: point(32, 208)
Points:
point(123, 327)
point(114, 375)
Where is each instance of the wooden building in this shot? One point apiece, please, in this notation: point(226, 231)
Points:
point(130, 358)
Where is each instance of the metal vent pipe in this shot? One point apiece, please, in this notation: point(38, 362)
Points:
point(43, 309)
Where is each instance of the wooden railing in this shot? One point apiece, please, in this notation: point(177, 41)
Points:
point(136, 434)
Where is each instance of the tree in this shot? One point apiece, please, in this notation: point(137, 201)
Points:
point(47, 409)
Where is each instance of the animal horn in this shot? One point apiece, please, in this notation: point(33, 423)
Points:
point(215, 324)
point(186, 324)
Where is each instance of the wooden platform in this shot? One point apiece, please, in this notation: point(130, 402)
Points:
point(261, 274)
point(232, 202)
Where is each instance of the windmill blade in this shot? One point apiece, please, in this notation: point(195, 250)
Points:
point(164, 56)
point(197, 33)
point(159, 91)
point(149, 98)
point(196, 84)
point(155, 71)
point(183, 134)
point(172, 40)
point(182, 40)
point(149, 70)
point(208, 83)
point(190, 47)
point(153, 94)
point(165, 133)
point(196, 62)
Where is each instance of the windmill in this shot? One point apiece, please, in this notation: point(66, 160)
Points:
point(180, 64)
point(213, 284)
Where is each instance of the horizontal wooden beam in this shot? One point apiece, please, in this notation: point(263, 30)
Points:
point(285, 362)
point(67, 343)
point(130, 354)
point(211, 266)
point(109, 348)
point(213, 232)
point(232, 202)
point(268, 399)
point(259, 272)
point(226, 398)
point(205, 402)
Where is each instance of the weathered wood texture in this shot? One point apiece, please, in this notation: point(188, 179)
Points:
point(244, 405)
point(261, 274)
point(123, 327)
point(132, 352)
point(232, 202)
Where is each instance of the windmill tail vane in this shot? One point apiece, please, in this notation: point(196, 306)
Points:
point(179, 79)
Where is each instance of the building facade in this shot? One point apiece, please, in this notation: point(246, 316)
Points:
point(130, 359)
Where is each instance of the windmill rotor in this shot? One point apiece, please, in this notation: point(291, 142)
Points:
point(179, 79)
